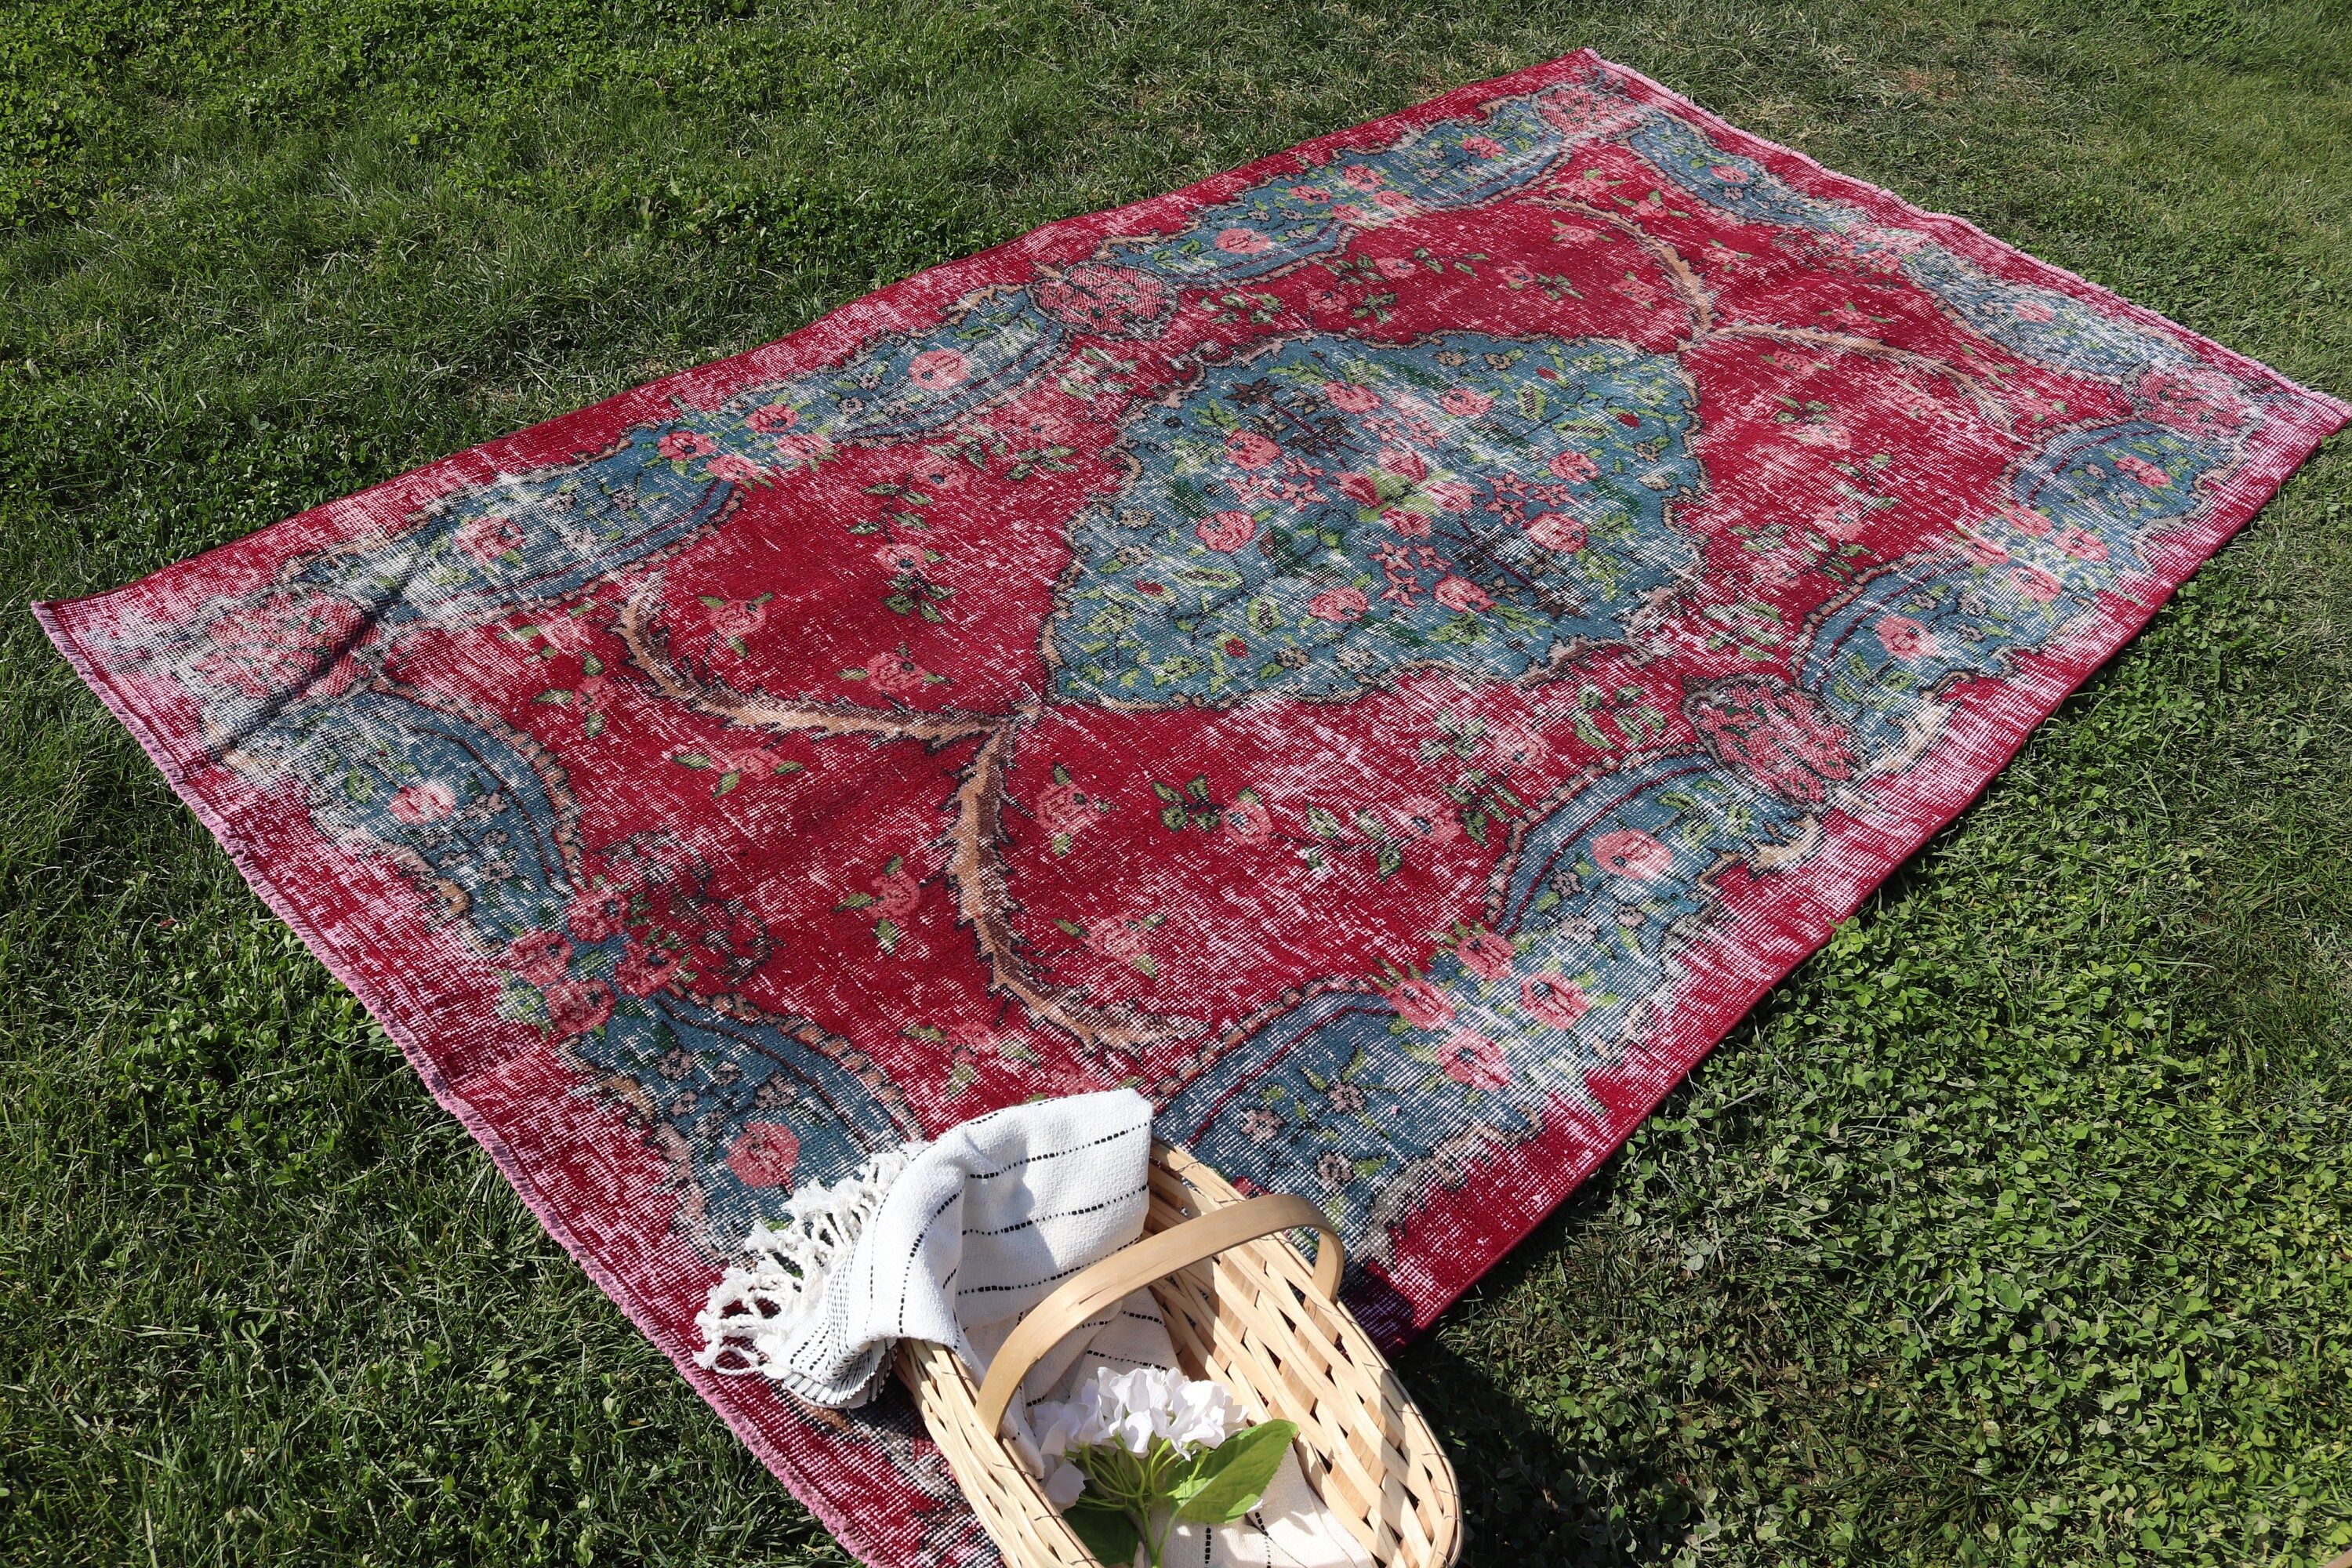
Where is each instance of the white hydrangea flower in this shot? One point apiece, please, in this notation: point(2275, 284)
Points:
point(1056, 1426)
point(1132, 1409)
point(1201, 1414)
point(1064, 1482)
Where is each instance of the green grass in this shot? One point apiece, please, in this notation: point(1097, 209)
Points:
point(2016, 1228)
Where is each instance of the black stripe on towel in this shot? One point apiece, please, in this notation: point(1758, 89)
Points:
point(1063, 1214)
point(907, 1276)
point(1057, 1153)
point(1025, 1285)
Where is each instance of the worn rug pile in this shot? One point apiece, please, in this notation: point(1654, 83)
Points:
point(1390, 651)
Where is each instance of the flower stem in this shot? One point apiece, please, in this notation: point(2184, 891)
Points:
point(1157, 1544)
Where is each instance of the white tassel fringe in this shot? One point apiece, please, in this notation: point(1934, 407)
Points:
point(756, 1307)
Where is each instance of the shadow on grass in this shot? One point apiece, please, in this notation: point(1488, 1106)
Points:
point(1526, 1496)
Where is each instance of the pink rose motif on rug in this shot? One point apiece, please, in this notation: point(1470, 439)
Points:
point(1392, 650)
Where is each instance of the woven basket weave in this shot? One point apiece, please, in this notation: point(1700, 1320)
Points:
point(1243, 1308)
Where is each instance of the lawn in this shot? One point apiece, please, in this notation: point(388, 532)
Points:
point(2015, 1229)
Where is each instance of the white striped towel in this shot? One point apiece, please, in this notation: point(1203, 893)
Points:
point(932, 1242)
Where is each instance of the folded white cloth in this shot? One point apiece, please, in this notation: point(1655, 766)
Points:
point(952, 1242)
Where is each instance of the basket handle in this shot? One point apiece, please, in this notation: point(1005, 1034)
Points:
point(1131, 1268)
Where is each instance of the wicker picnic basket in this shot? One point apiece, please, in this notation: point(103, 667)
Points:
point(1243, 1308)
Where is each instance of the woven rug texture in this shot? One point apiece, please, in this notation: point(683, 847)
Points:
point(1390, 651)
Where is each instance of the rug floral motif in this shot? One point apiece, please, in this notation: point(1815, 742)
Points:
point(1390, 651)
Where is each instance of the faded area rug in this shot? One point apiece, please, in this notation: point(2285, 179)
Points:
point(1390, 651)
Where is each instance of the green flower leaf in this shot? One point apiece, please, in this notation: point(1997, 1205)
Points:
point(1108, 1532)
point(1231, 1478)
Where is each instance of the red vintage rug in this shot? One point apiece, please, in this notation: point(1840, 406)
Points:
point(1392, 650)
